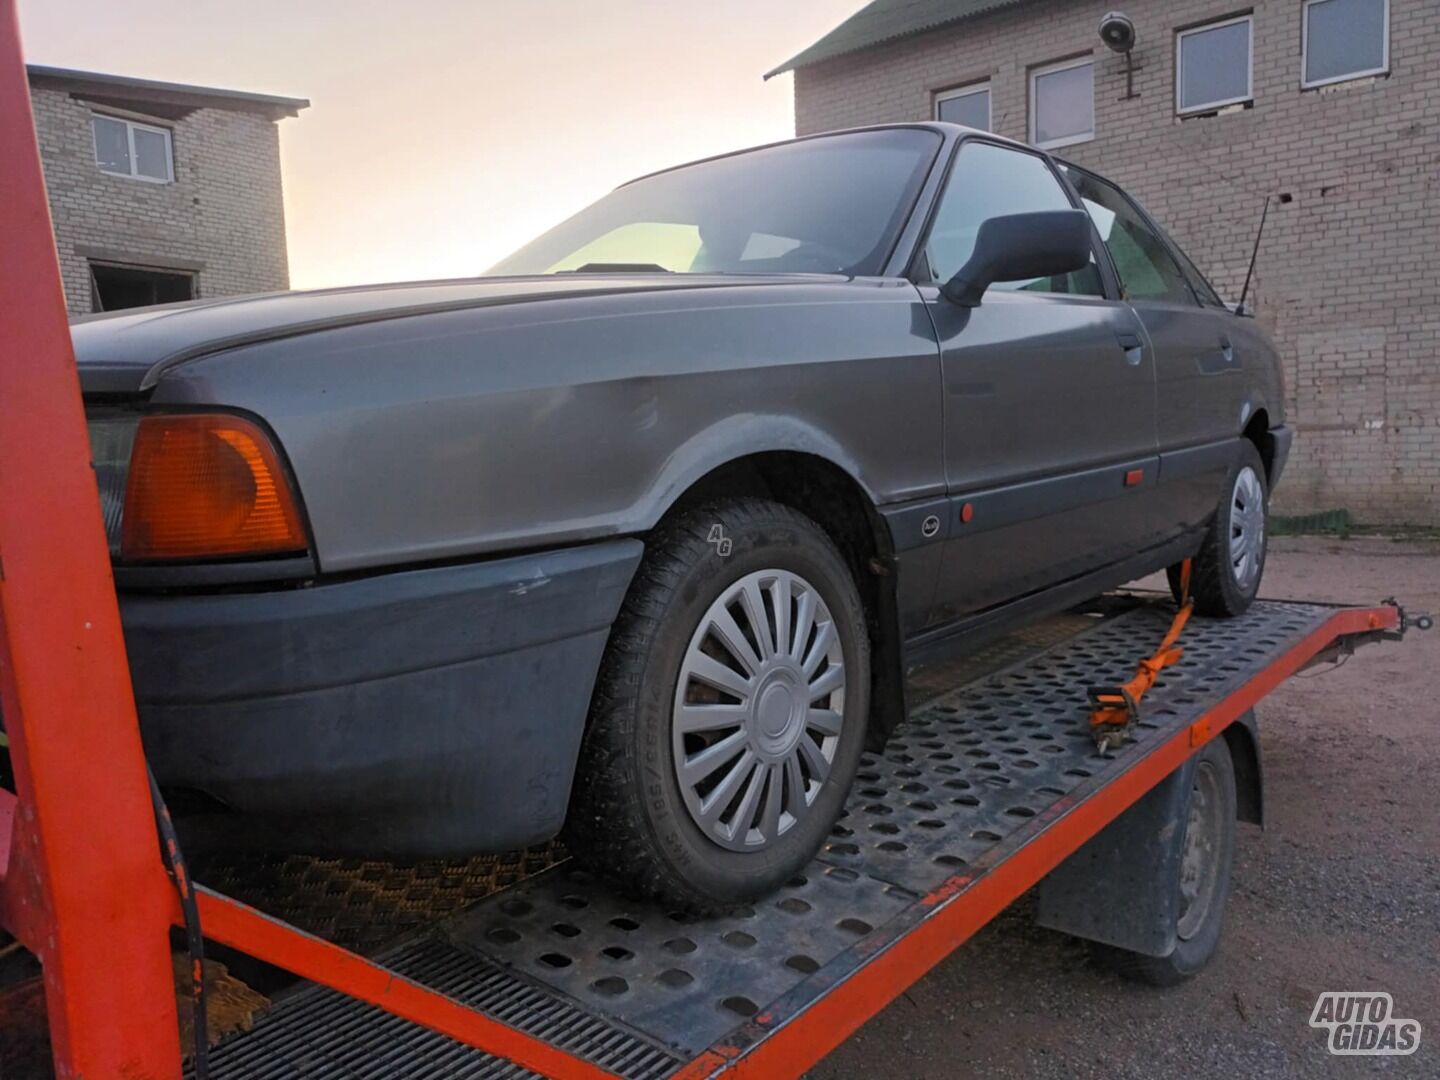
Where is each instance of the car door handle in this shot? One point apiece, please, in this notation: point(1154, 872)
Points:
point(1133, 346)
point(1227, 350)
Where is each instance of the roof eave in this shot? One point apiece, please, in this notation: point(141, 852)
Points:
point(184, 95)
point(818, 54)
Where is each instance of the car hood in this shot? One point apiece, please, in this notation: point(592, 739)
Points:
point(126, 352)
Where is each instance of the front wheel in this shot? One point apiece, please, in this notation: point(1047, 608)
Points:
point(1227, 570)
point(730, 711)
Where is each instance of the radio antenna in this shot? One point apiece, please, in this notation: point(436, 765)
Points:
point(1254, 254)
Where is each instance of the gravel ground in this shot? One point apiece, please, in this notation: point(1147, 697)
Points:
point(1341, 891)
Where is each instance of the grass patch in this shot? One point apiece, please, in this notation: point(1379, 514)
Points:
point(1340, 525)
point(1325, 523)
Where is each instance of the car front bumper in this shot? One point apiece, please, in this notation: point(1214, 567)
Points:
point(424, 712)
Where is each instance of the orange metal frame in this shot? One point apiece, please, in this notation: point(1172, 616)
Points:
point(81, 879)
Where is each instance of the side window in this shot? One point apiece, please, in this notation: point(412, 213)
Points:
point(1147, 269)
point(1198, 281)
point(991, 181)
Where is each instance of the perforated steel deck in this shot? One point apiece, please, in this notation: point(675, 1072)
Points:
point(961, 783)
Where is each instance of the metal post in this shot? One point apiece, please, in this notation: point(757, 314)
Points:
point(81, 882)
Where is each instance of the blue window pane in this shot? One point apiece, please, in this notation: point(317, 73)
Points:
point(112, 146)
point(1064, 104)
point(1343, 37)
point(1215, 66)
point(152, 154)
point(972, 109)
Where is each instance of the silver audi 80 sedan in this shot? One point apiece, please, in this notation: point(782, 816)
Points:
point(634, 536)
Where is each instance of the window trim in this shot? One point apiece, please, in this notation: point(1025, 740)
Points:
point(1383, 69)
point(1181, 109)
point(968, 90)
point(1051, 69)
point(131, 126)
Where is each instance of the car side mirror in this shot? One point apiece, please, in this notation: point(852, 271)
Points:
point(1015, 247)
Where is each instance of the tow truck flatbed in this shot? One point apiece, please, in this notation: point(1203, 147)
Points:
point(983, 791)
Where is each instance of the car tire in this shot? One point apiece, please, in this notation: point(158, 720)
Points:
point(1227, 570)
point(1203, 878)
point(705, 841)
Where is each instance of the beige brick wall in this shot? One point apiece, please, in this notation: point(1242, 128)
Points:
point(224, 209)
point(1349, 273)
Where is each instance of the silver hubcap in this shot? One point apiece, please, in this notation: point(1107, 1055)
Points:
point(1200, 863)
point(1247, 529)
point(759, 706)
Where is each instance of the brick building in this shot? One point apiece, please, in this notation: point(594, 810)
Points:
point(1327, 106)
point(158, 191)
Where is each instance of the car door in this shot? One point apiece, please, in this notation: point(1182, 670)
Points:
point(1049, 402)
point(1199, 365)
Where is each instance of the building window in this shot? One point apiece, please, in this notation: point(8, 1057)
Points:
point(1062, 103)
point(1212, 65)
point(139, 151)
point(114, 286)
point(969, 105)
point(1344, 39)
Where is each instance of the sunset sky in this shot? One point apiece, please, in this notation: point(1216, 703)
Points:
point(442, 134)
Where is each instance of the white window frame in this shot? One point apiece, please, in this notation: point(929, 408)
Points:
point(967, 91)
point(1383, 69)
point(131, 126)
point(1050, 69)
point(1183, 110)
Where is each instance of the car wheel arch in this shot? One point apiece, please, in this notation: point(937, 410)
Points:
point(830, 494)
point(1257, 430)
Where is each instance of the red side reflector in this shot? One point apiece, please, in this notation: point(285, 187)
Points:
point(967, 512)
point(1133, 477)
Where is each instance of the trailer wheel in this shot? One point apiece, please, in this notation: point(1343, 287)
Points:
point(1202, 883)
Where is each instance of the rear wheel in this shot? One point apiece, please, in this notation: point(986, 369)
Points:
point(730, 711)
point(1231, 560)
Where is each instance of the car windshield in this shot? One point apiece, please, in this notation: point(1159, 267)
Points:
point(825, 205)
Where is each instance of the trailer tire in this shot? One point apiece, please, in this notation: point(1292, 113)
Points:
point(1203, 881)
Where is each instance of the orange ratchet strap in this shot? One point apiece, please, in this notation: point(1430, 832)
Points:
point(1115, 708)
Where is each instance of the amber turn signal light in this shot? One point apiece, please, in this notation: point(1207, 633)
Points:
point(206, 486)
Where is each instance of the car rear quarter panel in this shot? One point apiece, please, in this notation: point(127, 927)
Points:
point(1265, 378)
point(1202, 396)
point(503, 428)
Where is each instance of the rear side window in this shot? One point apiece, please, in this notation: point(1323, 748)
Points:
point(1147, 269)
point(1198, 281)
point(991, 181)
